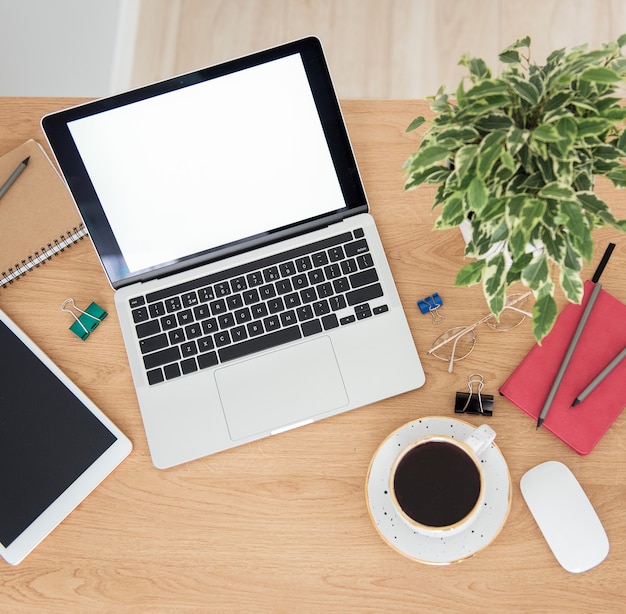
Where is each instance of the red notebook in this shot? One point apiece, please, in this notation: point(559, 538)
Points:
point(603, 337)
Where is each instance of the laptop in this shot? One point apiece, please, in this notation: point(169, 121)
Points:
point(251, 285)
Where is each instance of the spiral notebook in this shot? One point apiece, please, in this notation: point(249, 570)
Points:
point(29, 239)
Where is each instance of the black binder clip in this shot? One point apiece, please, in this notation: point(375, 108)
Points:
point(431, 304)
point(87, 321)
point(473, 402)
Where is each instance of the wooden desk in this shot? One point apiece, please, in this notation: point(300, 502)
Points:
point(281, 524)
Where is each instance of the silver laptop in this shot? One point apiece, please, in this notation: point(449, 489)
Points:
point(252, 288)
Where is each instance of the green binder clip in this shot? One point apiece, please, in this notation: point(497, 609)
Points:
point(87, 321)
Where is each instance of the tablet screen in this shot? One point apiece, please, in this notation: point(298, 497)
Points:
point(49, 438)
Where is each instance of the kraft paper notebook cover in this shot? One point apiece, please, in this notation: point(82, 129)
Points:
point(30, 238)
point(604, 336)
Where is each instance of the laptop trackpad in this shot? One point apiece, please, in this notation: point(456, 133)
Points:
point(281, 388)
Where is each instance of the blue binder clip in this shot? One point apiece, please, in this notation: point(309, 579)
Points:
point(431, 305)
point(87, 321)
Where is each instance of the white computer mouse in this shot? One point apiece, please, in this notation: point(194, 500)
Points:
point(565, 516)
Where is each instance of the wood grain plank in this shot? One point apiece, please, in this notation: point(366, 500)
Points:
point(376, 48)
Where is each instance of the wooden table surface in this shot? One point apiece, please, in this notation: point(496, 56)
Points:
point(282, 524)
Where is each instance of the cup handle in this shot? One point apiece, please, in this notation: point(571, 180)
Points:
point(481, 438)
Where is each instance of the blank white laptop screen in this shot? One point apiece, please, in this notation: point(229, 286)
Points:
point(230, 166)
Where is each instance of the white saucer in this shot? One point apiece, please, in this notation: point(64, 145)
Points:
point(437, 550)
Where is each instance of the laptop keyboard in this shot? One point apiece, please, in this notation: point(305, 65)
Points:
point(257, 306)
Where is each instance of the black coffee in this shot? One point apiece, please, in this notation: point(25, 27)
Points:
point(437, 484)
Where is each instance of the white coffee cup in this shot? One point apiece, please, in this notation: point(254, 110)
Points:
point(437, 483)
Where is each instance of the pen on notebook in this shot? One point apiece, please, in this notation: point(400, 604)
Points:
point(599, 378)
point(568, 354)
point(14, 175)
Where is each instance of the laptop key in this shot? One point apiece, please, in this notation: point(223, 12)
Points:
point(330, 321)
point(238, 284)
point(152, 344)
point(303, 264)
point(356, 247)
point(140, 315)
point(320, 259)
point(222, 338)
point(156, 309)
point(189, 299)
point(312, 327)
point(287, 269)
point(169, 322)
point(363, 278)
point(207, 360)
point(188, 366)
point(336, 253)
point(365, 261)
point(222, 289)
point(205, 344)
point(206, 294)
point(147, 329)
point(362, 295)
point(173, 304)
point(155, 376)
point(337, 303)
point(172, 371)
point(162, 357)
point(288, 318)
point(258, 344)
point(238, 334)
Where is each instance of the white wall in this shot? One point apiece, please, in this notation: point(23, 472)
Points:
point(66, 47)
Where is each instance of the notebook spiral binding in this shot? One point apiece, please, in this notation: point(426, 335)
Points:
point(38, 258)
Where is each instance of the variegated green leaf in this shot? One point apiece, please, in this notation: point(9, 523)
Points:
point(494, 121)
point(416, 123)
point(568, 131)
point(592, 126)
point(470, 274)
point(579, 231)
point(537, 273)
point(452, 213)
point(531, 214)
point(516, 139)
point(572, 259)
point(618, 176)
point(526, 91)
point(464, 158)
point(600, 75)
point(572, 284)
point(428, 157)
point(556, 191)
point(544, 316)
point(486, 87)
point(554, 245)
point(517, 242)
point(476, 195)
point(455, 137)
point(490, 151)
point(494, 283)
point(546, 133)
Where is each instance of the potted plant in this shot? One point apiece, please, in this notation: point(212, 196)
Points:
point(515, 156)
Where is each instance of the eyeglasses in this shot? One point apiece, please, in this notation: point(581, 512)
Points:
point(457, 343)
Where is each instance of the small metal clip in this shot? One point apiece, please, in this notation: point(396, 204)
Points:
point(431, 304)
point(473, 402)
point(87, 321)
